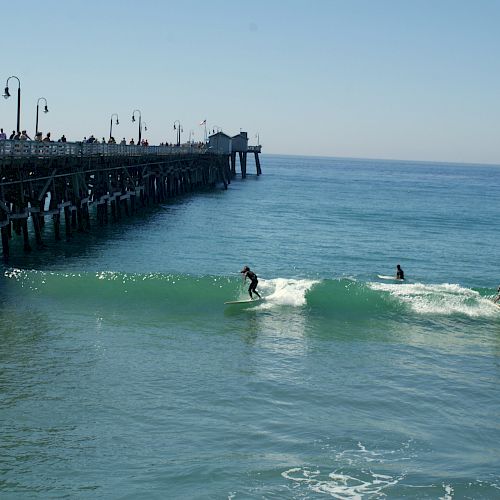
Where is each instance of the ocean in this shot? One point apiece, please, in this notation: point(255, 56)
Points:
point(124, 375)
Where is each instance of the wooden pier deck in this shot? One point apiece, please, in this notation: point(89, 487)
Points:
point(80, 184)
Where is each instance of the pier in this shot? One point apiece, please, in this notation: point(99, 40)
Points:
point(80, 184)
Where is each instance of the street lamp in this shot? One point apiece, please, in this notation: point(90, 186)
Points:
point(111, 124)
point(258, 139)
point(7, 95)
point(133, 119)
point(45, 110)
point(179, 130)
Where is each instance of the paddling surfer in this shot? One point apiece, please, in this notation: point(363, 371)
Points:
point(400, 274)
point(253, 281)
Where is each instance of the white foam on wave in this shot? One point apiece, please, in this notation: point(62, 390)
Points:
point(285, 292)
point(444, 299)
point(341, 485)
point(448, 495)
point(26, 278)
point(354, 478)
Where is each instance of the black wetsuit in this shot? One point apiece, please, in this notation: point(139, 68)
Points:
point(400, 274)
point(253, 282)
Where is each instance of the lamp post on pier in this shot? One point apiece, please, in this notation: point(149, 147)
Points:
point(7, 95)
point(179, 130)
point(111, 124)
point(140, 127)
point(258, 139)
point(45, 110)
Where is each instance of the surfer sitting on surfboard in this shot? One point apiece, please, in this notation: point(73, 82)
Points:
point(253, 281)
point(400, 274)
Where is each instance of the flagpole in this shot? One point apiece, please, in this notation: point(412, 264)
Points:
point(205, 130)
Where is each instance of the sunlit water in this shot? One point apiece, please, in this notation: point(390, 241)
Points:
point(124, 375)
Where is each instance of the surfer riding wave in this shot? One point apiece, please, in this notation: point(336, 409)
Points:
point(253, 281)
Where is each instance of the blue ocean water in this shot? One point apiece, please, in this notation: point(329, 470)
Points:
point(124, 375)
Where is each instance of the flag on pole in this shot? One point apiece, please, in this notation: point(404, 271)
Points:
point(203, 122)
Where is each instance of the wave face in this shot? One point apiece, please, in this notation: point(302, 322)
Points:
point(342, 298)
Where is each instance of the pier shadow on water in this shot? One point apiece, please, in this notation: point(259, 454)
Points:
point(89, 242)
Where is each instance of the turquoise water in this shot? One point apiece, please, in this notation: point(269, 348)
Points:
point(123, 375)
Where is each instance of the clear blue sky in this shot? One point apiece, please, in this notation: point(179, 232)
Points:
point(359, 78)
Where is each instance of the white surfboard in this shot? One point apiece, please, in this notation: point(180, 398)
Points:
point(246, 301)
point(390, 278)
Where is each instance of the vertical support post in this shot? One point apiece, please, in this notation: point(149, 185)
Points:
point(36, 226)
point(233, 163)
point(86, 216)
point(5, 243)
point(79, 217)
point(67, 222)
point(243, 165)
point(73, 217)
point(133, 210)
point(227, 167)
point(257, 163)
point(56, 218)
point(16, 224)
point(125, 204)
point(24, 227)
point(57, 226)
point(113, 209)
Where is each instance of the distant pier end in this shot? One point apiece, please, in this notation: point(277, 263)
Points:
point(225, 144)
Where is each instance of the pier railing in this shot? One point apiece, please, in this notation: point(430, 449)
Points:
point(54, 149)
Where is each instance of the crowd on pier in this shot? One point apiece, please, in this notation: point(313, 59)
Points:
point(23, 136)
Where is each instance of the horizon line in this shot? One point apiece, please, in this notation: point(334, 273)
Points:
point(446, 162)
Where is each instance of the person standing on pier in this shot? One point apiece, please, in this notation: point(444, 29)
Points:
point(253, 281)
point(3, 135)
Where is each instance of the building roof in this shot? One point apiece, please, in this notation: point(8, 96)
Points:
point(243, 135)
point(221, 134)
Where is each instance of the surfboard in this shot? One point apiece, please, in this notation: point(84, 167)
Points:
point(390, 278)
point(246, 301)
